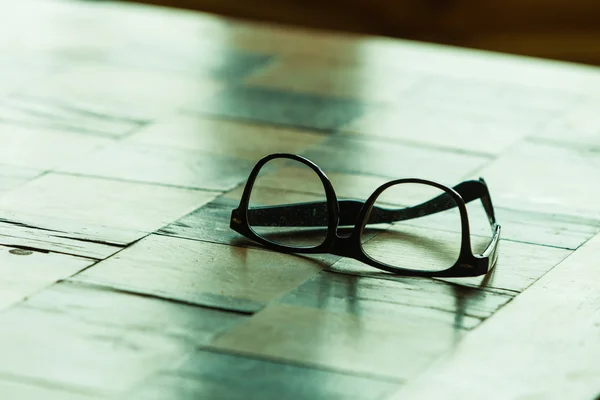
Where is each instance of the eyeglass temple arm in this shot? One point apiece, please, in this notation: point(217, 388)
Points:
point(468, 191)
point(314, 214)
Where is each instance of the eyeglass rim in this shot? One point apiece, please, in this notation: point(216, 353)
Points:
point(467, 263)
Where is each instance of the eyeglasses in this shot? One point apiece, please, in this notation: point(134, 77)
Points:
point(407, 226)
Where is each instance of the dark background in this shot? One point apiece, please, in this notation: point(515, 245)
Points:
point(556, 29)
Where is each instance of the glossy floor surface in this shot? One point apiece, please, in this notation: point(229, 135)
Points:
point(126, 136)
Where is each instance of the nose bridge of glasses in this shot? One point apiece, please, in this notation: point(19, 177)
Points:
point(349, 210)
point(345, 246)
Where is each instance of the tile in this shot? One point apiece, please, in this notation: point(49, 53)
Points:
point(12, 177)
point(98, 209)
point(138, 25)
point(133, 36)
point(17, 234)
point(25, 272)
point(518, 266)
point(437, 127)
point(97, 340)
point(282, 108)
point(30, 391)
point(54, 112)
point(328, 78)
point(207, 60)
point(546, 178)
point(55, 22)
point(18, 71)
point(392, 160)
point(242, 140)
point(96, 305)
point(216, 376)
point(76, 31)
point(208, 223)
point(162, 165)
point(513, 102)
point(578, 125)
point(115, 90)
point(395, 347)
point(43, 149)
point(209, 274)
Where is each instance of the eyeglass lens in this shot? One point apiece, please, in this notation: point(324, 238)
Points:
point(288, 204)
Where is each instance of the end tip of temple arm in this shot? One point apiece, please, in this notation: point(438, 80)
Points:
point(477, 189)
point(486, 200)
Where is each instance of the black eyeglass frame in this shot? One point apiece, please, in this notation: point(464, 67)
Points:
point(467, 264)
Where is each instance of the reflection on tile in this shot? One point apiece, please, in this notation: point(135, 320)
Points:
point(285, 108)
point(43, 149)
point(509, 273)
point(106, 210)
point(233, 138)
point(160, 165)
point(437, 127)
point(551, 179)
point(210, 375)
point(215, 275)
point(327, 78)
point(25, 272)
point(414, 247)
point(366, 296)
point(394, 346)
point(83, 336)
point(393, 160)
point(546, 229)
